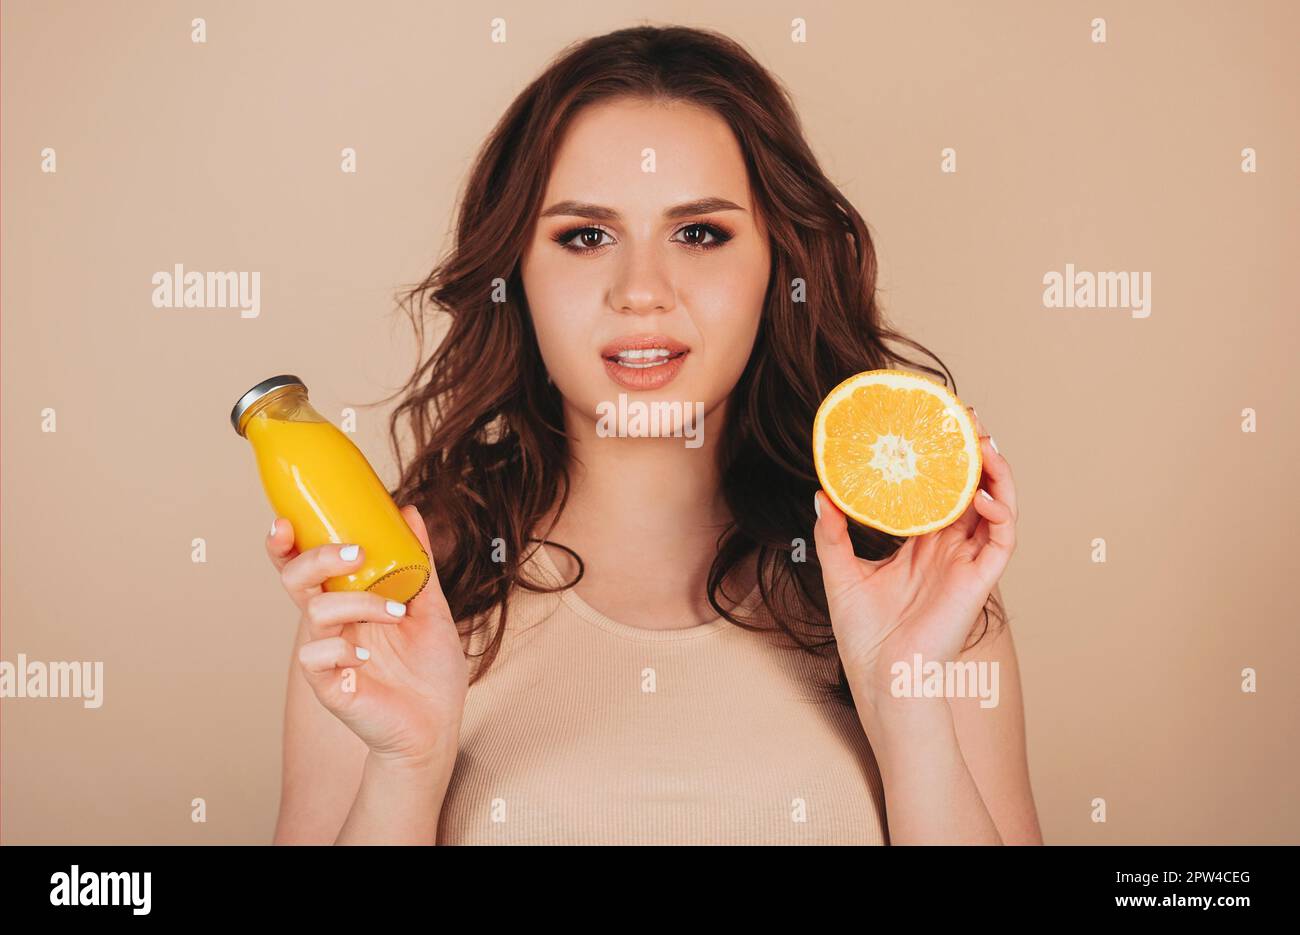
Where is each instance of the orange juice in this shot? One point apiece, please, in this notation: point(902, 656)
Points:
point(320, 481)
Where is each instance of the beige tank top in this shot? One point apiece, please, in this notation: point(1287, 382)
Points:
point(585, 730)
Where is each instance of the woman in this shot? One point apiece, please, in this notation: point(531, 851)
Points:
point(646, 227)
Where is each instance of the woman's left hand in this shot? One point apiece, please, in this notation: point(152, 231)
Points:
point(925, 598)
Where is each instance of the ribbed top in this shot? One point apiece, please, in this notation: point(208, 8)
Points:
point(588, 731)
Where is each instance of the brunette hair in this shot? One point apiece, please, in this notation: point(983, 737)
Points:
point(490, 454)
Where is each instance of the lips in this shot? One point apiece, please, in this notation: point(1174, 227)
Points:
point(642, 342)
point(644, 361)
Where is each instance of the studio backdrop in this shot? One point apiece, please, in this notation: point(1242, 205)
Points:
point(1004, 154)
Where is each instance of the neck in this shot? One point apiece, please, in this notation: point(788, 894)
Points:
point(645, 510)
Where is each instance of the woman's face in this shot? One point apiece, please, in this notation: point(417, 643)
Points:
point(646, 272)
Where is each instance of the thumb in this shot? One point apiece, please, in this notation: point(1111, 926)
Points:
point(430, 602)
point(840, 567)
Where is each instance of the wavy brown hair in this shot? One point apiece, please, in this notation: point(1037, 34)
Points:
point(490, 456)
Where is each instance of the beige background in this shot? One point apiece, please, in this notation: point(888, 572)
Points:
point(225, 156)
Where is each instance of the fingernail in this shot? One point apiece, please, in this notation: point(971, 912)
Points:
point(363, 653)
point(396, 610)
point(273, 522)
point(817, 506)
point(985, 494)
point(994, 444)
point(348, 552)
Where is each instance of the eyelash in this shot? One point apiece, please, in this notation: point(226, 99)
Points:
point(720, 236)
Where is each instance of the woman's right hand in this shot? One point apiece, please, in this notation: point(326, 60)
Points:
point(411, 675)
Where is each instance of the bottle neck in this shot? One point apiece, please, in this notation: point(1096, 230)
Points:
point(286, 404)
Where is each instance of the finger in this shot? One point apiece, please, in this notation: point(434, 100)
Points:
point(303, 576)
point(969, 520)
point(327, 612)
point(322, 656)
point(415, 520)
point(996, 552)
point(966, 524)
point(321, 661)
point(840, 567)
point(997, 470)
point(430, 603)
point(280, 544)
point(325, 661)
point(997, 476)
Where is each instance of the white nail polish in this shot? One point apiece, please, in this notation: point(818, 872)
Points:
point(396, 610)
point(274, 520)
point(994, 444)
point(985, 494)
point(817, 505)
point(363, 653)
point(348, 553)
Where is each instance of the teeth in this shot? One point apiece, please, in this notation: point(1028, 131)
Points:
point(641, 358)
point(640, 353)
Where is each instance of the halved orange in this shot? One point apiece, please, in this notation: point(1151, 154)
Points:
point(897, 451)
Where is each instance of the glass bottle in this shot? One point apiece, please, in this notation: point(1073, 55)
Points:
point(320, 481)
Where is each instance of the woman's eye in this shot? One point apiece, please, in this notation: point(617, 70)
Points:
point(698, 232)
point(587, 239)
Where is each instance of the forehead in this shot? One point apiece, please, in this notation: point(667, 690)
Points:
point(601, 157)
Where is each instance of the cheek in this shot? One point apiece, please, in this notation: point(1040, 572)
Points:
point(545, 294)
point(727, 304)
point(560, 304)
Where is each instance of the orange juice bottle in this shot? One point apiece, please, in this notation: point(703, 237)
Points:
point(321, 482)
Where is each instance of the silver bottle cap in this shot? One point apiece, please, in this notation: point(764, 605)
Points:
point(257, 392)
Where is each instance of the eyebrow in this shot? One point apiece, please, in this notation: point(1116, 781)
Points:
point(601, 213)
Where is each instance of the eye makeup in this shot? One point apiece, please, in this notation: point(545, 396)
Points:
point(719, 234)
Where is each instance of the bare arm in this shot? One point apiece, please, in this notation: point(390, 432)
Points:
point(322, 764)
point(399, 803)
point(992, 742)
point(930, 795)
point(955, 771)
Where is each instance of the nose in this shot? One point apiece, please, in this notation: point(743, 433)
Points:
point(642, 286)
